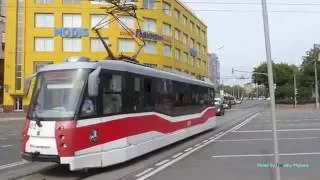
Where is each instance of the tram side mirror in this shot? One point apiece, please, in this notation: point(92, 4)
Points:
point(93, 83)
point(27, 84)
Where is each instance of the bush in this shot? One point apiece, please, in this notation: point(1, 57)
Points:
point(284, 101)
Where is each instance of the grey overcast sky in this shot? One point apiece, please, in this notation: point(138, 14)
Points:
point(241, 33)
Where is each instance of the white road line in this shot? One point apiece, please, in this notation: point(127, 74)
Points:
point(11, 134)
point(205, 141)
point(1, 138)
point(196, 145)
point(177, 155)
point(162, 162)
point(245, 122)
point(265, 139)
point(144, 172)
point(263, 155)
point(187, 150)
point(160, 168)
point(5, 146)
point(211, 137)
point(12, 165)
point(218, 134)
point(279, 130)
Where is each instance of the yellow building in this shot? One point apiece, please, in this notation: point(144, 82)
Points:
point(40, 32)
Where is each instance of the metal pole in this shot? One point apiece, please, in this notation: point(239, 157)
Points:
point(257, 91)
point(316, 84)
point(295, 90)
point(271, 88)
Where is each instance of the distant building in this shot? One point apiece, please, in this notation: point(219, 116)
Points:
point(214, 69)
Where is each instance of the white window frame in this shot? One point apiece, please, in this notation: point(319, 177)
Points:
point(47, 44)
point(166, 29)
point(46, 22)
point(177, 54)
point(76, 44)
point(166, 8)
point(176, 34)
point(96, 45)
point(76, 20)
point(150, 47)
point(128, 21)
point(131, 50)
point(97, 18)
point(165, 52)
point(150, 25)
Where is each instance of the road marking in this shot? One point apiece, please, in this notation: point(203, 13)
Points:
point(245, 122)
point(187, 150)
point(218, 134)
point(279, 130)
point(162, 162)
point(264, 155)
point(177, 155)
point(5, 146)
point(12, 165)
point(12, 134)
point(196, 145)
point(144, 172)
point(1, 138)
point(160, 168)
point(211, 137)
point(205, 141)
point(265, 139)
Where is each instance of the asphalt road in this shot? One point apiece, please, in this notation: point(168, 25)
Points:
point(195, 154)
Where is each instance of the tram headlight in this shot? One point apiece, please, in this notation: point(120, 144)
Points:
point(64, 145)
point(62, 137)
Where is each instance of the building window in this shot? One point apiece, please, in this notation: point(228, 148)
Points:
point(43, 1)
point(203, 34)
point(18, 76)
point(184, 20)
point(71, 1)
point(167, 50)
point(198, 30)
point(176, 14)
point(192, 61)
point(150, 47)
point(166, 8)
point(149, 25)
point(72, 44)
point(99, 20)
point(126, 45)
point(72, 20)
point(185, 57)
point(203, 50)
point(148, 4)
point(166, 29)
point(44, 20)
point(96, 45)
point(176, 34)
point(18, 106)
point(128, 21)
point(44, 44)
point(192, 43)
point(177, 54)
point(184, 38)
point(191, 26)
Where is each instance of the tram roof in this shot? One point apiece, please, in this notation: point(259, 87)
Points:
point(124, 66)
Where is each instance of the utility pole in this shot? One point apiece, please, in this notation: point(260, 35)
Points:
point(295, 90)
point(271, 87)
point(316, 82)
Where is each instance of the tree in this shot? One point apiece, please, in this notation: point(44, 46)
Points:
point(283, 78)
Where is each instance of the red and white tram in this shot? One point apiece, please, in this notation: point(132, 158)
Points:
point(95, 114)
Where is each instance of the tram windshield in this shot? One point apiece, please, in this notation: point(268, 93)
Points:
point(57, 94)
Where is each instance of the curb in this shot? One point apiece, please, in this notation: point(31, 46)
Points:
point(12, 119)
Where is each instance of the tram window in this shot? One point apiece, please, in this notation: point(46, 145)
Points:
point(137, 84)
point(112, 94)
point(88, 107)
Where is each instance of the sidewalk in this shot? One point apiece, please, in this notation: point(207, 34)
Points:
point(12, 116)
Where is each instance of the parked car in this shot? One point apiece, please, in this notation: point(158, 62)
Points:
point(220, 106)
